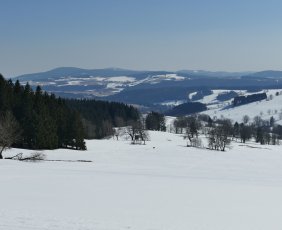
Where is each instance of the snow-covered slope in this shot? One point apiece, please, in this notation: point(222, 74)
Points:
point(161, 185)
point(79, 82)
point(265, 108)
point(95, 85)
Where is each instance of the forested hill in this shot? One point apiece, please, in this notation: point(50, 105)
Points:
point(44, 121)
point(99, 117)
point(47, 122)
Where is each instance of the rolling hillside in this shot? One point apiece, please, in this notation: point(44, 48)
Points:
point(120, 84)
point(161, 185)
point(272, 106)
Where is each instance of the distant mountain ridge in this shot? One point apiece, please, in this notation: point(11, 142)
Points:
point(69, 71)
point(74, 71)
point(214, 73)
point(265, 74)
point(145, 87)
point(109, 72)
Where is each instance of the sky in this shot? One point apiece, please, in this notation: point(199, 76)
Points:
point(215, 35)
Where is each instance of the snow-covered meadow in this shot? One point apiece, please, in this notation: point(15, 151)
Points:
point(158, 186)
point(265, 108)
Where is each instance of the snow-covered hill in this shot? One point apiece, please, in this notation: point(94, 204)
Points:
point(272, 106)
point(120, 84)
point(161, 185)
point(97, 82)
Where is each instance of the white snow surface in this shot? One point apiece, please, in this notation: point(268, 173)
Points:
point(164, 77)
point(124, 79)
point(173, 102)
point(265, 108)
point(162, 185)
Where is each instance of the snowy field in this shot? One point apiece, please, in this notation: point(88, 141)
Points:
point(159, 186)
point(265, 108)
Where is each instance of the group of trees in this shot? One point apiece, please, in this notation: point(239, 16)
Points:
point(37, 120)
point(190, 126)
point(241, 100)
point(262, 131)
point(225, 96)
point(42, 120)
point(99, 117)
point(220, 132)
point(201, 94)
point(155, 121)
point(34, 119)
point(137, 130)
point(186, 108)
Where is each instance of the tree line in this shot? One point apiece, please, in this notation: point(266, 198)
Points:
point(42, 120)
point(137, 130)
point(220, 132)
point(99, 117)
point(34, 119)
point(241, 100)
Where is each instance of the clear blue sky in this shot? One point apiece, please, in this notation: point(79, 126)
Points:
point(231, 35)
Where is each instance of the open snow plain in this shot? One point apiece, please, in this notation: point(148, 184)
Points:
point(162, 185)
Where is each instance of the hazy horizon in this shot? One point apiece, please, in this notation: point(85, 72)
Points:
point(232, 36)
point(167, 70)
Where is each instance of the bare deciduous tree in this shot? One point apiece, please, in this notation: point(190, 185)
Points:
point(245, 133)
point(192, 131)
point(35, 156)
point(246, 119)
point(136, 131)
point(9, 132)
point(257, 121)
point(219, 136)
point(119, 132)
